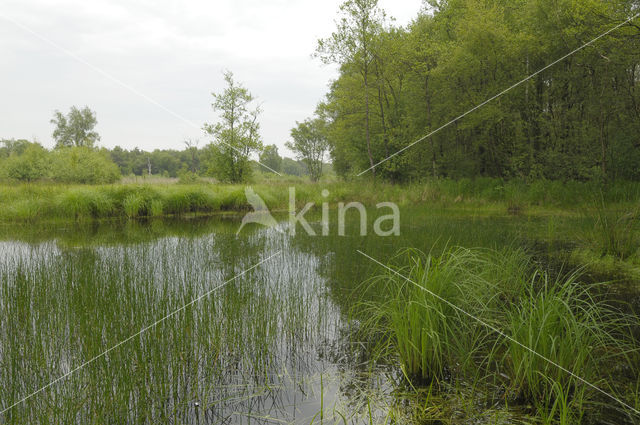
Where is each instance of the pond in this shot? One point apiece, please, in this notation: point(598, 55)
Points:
point(183, 321)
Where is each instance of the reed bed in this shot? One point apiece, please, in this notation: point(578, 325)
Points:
point(228, 353)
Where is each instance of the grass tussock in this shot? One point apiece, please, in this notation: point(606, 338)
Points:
point(613, 231)
point(489, 317)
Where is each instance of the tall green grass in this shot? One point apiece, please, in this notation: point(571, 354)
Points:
point(506, 310)
point(564, 323)
point(614, 230)
point(29, 202)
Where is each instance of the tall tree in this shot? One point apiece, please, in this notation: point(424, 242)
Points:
point(236, 135)
point(310, 145)
point(76, 128)
point(352, 43)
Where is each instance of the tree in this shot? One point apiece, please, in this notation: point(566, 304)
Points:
point(293, 167)
point(76, 128)
point(270, 158)
point(236, 135)
point(352, 44)
point(310, 145)
point(11, 146)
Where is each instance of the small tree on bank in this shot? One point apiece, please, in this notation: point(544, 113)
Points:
point(76, 128)
point(310, 145)
point(236, 135)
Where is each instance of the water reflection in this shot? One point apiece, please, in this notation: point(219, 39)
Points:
point(277, 345)
point(254, 352)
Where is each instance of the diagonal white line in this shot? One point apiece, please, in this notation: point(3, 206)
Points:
point(119, 82)
point(140, 332)
point(498, 331)
point(500, 94)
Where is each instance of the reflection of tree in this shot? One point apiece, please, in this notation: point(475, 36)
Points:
point(101, 233)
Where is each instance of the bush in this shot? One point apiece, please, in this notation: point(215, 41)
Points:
point(31, 165)
point(83, 165)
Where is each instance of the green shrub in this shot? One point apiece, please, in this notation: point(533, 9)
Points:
point(29, 166)
point(83, 165)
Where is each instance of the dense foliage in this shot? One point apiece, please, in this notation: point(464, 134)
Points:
point(579, 119)
point(21, 160)
point(25, 161)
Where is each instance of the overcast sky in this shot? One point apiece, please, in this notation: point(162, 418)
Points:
point(172, 52)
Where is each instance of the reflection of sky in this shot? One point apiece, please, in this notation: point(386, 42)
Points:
point(308, 364)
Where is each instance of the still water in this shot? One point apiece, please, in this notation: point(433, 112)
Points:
point(94, 315)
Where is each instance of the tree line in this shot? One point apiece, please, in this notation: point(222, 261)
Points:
point(76, 158)
point(577, 120)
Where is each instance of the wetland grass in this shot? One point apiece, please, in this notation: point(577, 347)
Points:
point(559, 319)
point(42, 201)
point(67, 295)
point(61, 307)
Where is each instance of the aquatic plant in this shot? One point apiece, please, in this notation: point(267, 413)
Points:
point(494, 317)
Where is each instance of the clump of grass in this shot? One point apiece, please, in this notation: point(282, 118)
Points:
point(425, 330)
point(233, 199)
point(26, 210)
point(134, 205)
point(190, 199)
point(615, 231)
point(494, 317)
point(85, 203)
point(563, 323)
point(425, 315)
point(157, 208)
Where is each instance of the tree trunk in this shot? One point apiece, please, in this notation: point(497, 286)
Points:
point(366, 119)
point(385, 136)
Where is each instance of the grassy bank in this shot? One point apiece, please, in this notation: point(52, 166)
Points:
point(587, 224)
point(30, 202)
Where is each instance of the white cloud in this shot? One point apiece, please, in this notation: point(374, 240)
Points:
point(173, 52)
